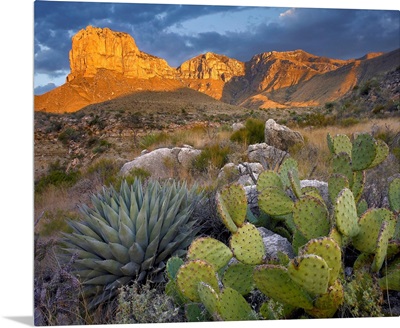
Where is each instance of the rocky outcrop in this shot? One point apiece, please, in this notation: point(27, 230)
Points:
point(163, 163)
point(268, 156)
point(94, 49)
point(280, 136)
point(211, 66)
point(106, 64)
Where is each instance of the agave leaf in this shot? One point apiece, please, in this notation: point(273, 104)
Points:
point(120, 252)
point(142, 235)
point(154, 215)
point(108, 233)
point(130, 269)
point(101, 280)
point(111, 266)
point(83, 229)
point(88, 263)
point(123, 205)
point(136, 253)
point(111, 215)
point(126, 220)
point(126, 235)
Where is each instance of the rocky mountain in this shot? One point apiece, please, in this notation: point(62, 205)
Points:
point(106, 64)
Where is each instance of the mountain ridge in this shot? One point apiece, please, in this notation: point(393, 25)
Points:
point(106, 64)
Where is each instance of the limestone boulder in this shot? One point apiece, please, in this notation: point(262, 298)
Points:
point(268, 156)
point(163, 163)
point(281, 136)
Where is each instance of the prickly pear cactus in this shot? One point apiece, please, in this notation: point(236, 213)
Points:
point(232, 206)
point(233, 307)
point(311, 272)
point(329, 250)
point(394, 195)
point(369, 228)
point(363, 152)
point(275, 282)
point(275, 202)
point(210, 250)
point(239, 276)
point(311, 217)
point(342, 143)
point(346, 213)
point(247, 245)
point(191, 274)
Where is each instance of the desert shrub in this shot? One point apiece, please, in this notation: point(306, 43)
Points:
point(98, 122)
point(69, 134)
point(153, 138)
point(105, 170)
point(349, 121)
point(215, 155)
point(145, 304)
point(54, 222)
point(101, 146)
point(362, 297)
point(57, 176)
point(252, 133)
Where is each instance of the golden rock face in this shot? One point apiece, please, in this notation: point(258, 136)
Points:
point(106, 64)
point(96, 48)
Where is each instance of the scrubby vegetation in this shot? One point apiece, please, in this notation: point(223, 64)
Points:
point(87, 150)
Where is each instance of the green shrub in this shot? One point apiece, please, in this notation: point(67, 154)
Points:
point(252, 133)
point(106, 170)
point(57, 176)
point(215, 155)
point(54, 222)
point(153, 138)
point(69, 134)
point(144, 304)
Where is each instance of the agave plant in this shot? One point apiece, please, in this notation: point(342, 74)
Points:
point(129, 235)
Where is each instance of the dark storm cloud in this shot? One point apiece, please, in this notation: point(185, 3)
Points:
point(333, 33)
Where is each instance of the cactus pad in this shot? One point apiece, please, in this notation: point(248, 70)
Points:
point(391, 278)
point(295, 182)
point(329, 141)
point(381, 247)
point(341, 164)
point(369, 226)
point(208, 297)
point(358, 184)
point(239, 276)
point(382, 151)
point(233, 307)
point(394, 195)
point(268, 179)
point(275, 282)
point(172, 267)
point(327, 304)
point(191, 274)
point(346, 213)
point(330, 251)
point(311, 217)
point(363, 151)
point(247, 245)
point(235, 201)
point(289, 164)
point(342, 143)
point(311, 272)
point(336, 183)
point(274, 201)
point(210, 250)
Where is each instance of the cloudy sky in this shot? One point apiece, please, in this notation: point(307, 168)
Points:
point(180, 32)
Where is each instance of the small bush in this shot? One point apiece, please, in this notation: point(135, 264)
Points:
point(153, 138)
point(69, 134)
point(57, 176)
point(106, 170)
point(215, 155)
point(144, 304)
point(252, 133)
